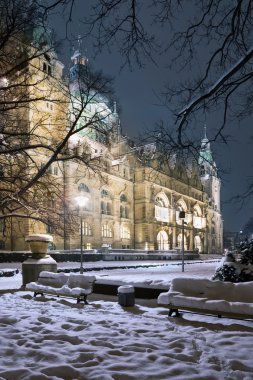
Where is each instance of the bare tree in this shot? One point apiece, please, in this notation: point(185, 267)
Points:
point(40, 119)
point(211, 40)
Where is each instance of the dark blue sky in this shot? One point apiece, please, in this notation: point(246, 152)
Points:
point(137, 90)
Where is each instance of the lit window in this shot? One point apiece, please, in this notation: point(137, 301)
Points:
point(106, 208)
point(103, 209)
point(161, 212)
point(125, 232)
point(87, 231)
point(106, 231)
point(124, 212)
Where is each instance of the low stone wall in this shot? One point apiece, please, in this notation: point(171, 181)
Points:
point(143, 293)
point(91, 256)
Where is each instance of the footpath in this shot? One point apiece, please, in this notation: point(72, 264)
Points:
point(145, 277)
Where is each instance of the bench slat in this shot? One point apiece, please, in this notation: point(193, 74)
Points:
point(208, 311)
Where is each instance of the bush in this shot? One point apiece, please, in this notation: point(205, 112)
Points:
point(237, 269)
point(226, 273)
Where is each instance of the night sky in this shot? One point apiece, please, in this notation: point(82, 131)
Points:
point(138, 92)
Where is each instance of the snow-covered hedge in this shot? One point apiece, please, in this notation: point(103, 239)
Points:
point(236, 267)
point(8, 272)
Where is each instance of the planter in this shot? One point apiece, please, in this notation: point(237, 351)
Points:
point(39, 243)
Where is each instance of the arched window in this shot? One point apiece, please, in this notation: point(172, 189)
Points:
point(87, 231)
point(125, 232)
point(179, 241)
point(106, 208)
point(106, 230)
point(182, 206)
point(198, 220)
point(106, 203)
point(124, 210)
point(160, 202)
point(198, 243)
point(105, 193)
point(103, 207)
point(161, 207)
point(123, 198)
point(197, 210)
point(162, 240)
point(83, 188)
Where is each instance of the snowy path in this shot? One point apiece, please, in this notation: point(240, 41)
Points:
point(102, 341)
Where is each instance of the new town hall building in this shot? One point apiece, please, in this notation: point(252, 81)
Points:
point(131, 200)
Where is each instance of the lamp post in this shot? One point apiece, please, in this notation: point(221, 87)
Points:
point(241, 232)
point(182, 217)
point(81, 201)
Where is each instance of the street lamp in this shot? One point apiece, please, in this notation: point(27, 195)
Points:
point(81, 201)
point(182, 217)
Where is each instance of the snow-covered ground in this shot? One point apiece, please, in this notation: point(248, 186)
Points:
point(152, 273)
point(46, 338)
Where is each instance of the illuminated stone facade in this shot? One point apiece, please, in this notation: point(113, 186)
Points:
point(130, 203)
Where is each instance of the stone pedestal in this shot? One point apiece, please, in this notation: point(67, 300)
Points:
point(40, 260)
point(32, 267)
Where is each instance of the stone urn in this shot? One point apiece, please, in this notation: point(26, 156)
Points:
point(39, 243)
point(40, 260)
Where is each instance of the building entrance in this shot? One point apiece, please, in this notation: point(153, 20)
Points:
point(162, 241)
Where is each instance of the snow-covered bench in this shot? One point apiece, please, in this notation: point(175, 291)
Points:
point(62, 284)
point(209, 297)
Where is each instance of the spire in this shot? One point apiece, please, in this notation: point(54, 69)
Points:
point(205, 155)
point(116, 121)
point(205, 145)
point(79, 69)
point(205, 136)
point(78, 57)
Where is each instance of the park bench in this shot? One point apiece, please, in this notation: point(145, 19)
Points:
point(204, 296)
point(62, 284)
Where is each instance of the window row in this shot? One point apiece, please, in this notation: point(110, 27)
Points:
point(82, 187)
point(54, 170)
point(106, 231)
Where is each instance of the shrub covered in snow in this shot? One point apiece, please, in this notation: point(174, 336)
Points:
point(236, 267)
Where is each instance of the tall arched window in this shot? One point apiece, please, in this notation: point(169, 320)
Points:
point(124, 209)
point(106, 230)
point(125, 232)
point(162, 241)
point(87, 231)
point(106, 202)
point(198, 243)
point(161, 207)
point(198, 220)
point(181, 206)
